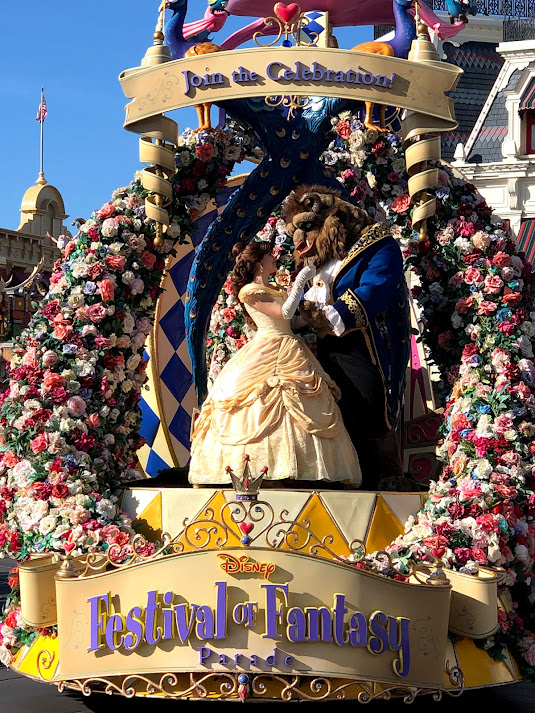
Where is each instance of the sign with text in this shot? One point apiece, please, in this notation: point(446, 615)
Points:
point(297, 71)
point(259, 611)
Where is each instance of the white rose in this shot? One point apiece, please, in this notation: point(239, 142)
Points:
point(80, 269)
point(47, 525)
point(109, 228)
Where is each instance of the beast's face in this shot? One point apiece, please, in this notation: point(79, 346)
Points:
point(304, 231)
point(321, 224)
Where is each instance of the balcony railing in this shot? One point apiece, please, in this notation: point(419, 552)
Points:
point(518, 28)
point(511, 8)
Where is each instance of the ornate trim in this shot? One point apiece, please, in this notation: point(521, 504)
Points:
point(261, 686)
point(213, 532)
point(355, 307)
point(368, 237)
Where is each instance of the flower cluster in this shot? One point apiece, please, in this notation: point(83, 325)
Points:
point(228, 330)
point(69, 420)
point(479, 326)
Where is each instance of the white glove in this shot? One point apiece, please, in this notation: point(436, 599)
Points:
point(290, 306)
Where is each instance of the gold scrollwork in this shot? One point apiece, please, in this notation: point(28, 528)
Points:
point(45, 660)
point(211, 530)
point(223, 685)
point(292, 27)
point(293, 102)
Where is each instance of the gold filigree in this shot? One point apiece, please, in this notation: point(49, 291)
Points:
point(223, 685)
point(293, 103)
point(209, 531)
point(291, 28)
point(356, 309)
point(45, 661)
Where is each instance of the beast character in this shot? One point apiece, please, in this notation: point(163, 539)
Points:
point(359, 305)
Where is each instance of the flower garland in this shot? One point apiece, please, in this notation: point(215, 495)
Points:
point(69, 420)
point(479, 326)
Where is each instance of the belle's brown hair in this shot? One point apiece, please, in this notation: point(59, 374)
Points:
point(247, 259)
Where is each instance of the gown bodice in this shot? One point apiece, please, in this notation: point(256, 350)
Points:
point(266, 326)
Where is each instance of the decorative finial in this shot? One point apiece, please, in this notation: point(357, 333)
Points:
point(246, 486)
point(438, 576)
point(158, 53)
point(41, 181)
point(67, 569)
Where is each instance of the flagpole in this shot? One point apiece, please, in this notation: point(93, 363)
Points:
point(41, 178)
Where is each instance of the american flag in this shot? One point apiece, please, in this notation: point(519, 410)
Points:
point(42, 111)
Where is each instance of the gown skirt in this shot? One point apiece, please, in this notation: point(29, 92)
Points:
point(273, 402)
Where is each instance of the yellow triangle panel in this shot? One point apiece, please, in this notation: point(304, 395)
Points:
point(149, 521)
point(42, 659)
point(316, 518)
point(385, 527)
point(480, 669)
point(198, 535)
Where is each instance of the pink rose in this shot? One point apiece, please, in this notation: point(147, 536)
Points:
point(401, 203)
point(115, 262)
point(486, 307)
point(472, 276)
point(463, 304)
point(501, 259)
point(502, 423)
point(50, 358)
point(93, 420)
point(39, 443)
point(228, 314)
point(507, 328)
point(76, 406)
point(493, 284)
point(107, 211)
point(62, 330)
point(97, 313)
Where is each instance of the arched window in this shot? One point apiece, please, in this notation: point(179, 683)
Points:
point(48, 219)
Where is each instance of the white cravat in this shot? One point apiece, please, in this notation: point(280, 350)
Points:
point(320, 292)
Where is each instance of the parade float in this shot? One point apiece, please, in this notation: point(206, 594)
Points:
point(143, 586)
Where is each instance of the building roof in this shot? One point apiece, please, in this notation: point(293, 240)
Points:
point(481, 65)
point(487, 145)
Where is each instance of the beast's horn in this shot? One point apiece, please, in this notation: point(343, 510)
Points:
point(315, 200)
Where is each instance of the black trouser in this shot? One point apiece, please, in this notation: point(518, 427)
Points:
point(363, 406)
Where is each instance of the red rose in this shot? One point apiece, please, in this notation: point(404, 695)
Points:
point(106, 289)
point(60, 490)
point(148, 259)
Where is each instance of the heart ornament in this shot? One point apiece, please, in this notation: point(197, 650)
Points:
point(69, 547)
point(246, 527)
point(286, 13)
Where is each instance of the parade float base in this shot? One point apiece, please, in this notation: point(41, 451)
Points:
point(211, 556)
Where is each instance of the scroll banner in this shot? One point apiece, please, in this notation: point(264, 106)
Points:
point(262, 612)
point(295, 71)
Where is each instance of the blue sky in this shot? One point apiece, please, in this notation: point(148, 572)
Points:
point(77, 51)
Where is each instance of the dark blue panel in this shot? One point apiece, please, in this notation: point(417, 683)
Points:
point(180, 427)
point(172, 324)
point(149, 422)
point(176, 377)
point(179, 273)
point(154, 464)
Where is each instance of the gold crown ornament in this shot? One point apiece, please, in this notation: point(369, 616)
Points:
point(246, 486)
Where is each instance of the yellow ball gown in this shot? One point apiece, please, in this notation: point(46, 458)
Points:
point(275, 403)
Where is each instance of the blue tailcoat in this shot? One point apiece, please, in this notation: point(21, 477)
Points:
point(370, 294)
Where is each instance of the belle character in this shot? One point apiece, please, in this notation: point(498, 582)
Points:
point(272, 400)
